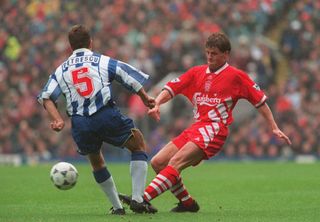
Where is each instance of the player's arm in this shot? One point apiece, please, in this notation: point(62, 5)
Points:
point(174, 87)
point(146, 99)
point(128, 76)
point(133, 80)
point(57, 122)
point(48, 95)
point(267, 114)
point(251, 91)
point(162, 98)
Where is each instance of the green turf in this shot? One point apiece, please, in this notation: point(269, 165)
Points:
point(259, 191)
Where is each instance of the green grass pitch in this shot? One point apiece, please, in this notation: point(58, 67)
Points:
point(236, 191)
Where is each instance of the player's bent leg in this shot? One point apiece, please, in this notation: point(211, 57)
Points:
point(162, 158)
point(159, 162)
point(186, 202)
point(163, 181)
point(104, 179)
point(189, 155)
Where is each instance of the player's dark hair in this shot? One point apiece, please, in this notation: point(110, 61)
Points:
point(220, 41)
point(79, 37)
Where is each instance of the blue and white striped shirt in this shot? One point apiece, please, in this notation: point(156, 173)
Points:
point(85, 81)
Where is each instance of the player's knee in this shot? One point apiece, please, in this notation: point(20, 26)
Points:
point(177, 163)
point(136, 142)
point(157, 164)
point(140, 143)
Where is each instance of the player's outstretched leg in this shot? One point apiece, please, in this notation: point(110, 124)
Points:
point(167, 178)
point(144, 207)
point(186, 202)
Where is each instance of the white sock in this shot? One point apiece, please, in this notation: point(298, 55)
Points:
point(109, 188)
point(138, 171)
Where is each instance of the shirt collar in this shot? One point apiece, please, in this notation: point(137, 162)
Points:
point(81, 50)
point(219, 70)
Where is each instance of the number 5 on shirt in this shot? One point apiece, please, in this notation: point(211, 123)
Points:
point(82, 81)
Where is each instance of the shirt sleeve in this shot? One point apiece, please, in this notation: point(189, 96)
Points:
point(51, 90)
point(251, 91)
point(181, 84)
point(130, 77)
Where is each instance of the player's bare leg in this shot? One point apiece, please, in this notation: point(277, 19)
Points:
point(169, 177)
point(187, 203)
point(138, 170)
point(105, 181)
point(189, 155)
point(158, 163)
point(162, 158)
point(96, 160)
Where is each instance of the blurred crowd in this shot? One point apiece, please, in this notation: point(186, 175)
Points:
point(161, 37)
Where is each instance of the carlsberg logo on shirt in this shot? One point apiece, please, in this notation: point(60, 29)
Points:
point(205, 99)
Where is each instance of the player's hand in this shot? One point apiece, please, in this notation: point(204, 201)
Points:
point(155, 113)
point(149, 102)
point(281, 135)
point(57, 125)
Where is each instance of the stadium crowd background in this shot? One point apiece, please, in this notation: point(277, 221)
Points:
point(276, 42)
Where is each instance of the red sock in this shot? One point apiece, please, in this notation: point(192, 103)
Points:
point(167, 178)
point(181, 193)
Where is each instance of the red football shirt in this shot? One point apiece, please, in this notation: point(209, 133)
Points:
point(214, 95)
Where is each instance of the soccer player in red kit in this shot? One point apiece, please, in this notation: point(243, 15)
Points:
point(214, 90)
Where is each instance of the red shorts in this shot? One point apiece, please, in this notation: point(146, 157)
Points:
point(209, 136)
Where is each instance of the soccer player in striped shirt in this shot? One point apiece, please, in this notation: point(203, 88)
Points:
point(214, 90)
point(85, 81)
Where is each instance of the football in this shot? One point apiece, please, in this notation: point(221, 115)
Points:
point(64, 175)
